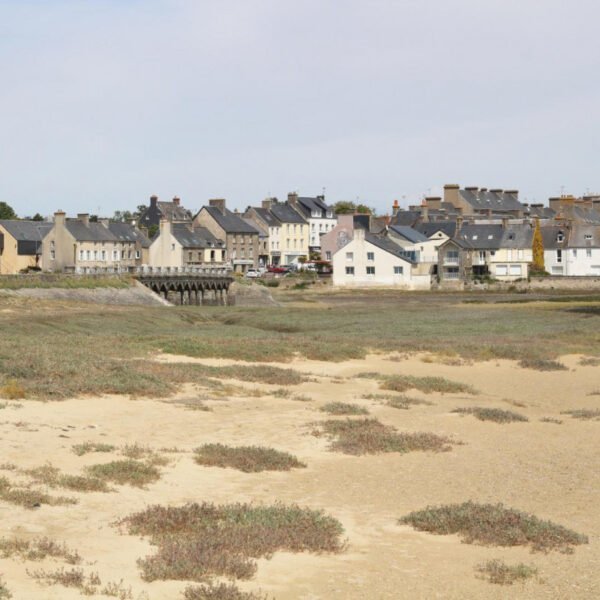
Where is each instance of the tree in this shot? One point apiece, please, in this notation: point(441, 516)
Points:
point(37, 217)
point(538, 265)
point(345, 207)
point(6, 211)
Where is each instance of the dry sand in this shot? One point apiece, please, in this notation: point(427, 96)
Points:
point(547, 469)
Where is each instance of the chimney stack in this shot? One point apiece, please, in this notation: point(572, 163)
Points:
point(153, 200)
point(267, 203)
point(218, 203)
point(451, 193)
point(84, 218)
point(176, 200)
point(425, 213)
point(395, 208)
point(459, 223)
point(292, 198)
point(60, 218)
point(434, 202)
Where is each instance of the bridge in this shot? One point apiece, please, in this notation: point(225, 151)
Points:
point(187, 285)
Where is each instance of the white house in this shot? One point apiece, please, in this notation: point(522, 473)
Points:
point(320, 217)
point(370, 260)
point(572, 250)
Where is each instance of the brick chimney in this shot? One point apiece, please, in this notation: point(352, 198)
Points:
point(153, 200)
point(84, 218)
point(459, 223)
point(218, 203)
point(496, 191)
point(425, 213)
point(176, 200)
point(292, 199)
point(434, 202)
point(472, 188)
point(395, 208)
point(514, 193)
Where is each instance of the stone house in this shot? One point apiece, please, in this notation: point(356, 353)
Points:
point(241, 238)
point(158, 210)
point(21, 245)
point(178, 245)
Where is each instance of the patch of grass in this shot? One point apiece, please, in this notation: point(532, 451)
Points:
point(404, 402)
point(12, 390)
point(117, 589)
point(494, 525)
point(64, 281)
point(29, 498)
point(585, 414)
point(220, 591)
point(249, 459)
point(551, 420)
point(8, 466)
point(540, 364)
point(343, 408)
point(497, 415)
point(191, 404)
point(87, 447)
point(427, 385)
point(497, 571)
point(198, 541)
point(37, 549)
point(125, 472)
point(52, 477)
point(370, 436)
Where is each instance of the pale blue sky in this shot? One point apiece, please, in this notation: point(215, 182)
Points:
point(104, 103)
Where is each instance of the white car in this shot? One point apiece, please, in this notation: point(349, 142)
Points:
point(252, 273)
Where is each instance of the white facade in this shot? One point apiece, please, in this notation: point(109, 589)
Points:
point(165, 250)
point(318, 227)
point(573, 262)
point(361, 263)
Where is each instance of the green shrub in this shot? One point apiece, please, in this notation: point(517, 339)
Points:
point(343, 408)
point(492, 414)
point(128, 471)
point(249, 459)
point(497, 571)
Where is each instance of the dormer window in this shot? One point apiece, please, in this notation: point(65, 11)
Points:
point(560, 236)
point(511, 236)
point(588, 236)
point(475, 237)
point(490, 237)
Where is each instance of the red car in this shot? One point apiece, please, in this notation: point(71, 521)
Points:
point(276, 269)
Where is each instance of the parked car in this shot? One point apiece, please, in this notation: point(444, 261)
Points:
point(252, 273)
point(278, 269)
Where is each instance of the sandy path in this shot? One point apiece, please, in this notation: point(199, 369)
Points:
point(549, 470)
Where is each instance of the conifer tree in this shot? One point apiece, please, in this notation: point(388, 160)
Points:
point(538, 250)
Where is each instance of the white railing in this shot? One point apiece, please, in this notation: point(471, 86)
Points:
point(207, 269)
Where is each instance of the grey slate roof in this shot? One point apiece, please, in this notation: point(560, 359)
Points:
point(199, 237)
point(262, 229)
point(431, 228)
point(481, 237)
point(266, 215)
point(26, 231)
point(497, 202)
point(584, 236)
point(517, 236)
point(408, 233)
point(406, 217)
point(125, 232)
point(286, 214)
point(230, 222)
point(386, 244)
point(308, 205)
point(173, 212)
point(550, 234)
point(94, 232)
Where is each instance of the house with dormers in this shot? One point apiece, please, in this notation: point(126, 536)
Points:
point(320, 218)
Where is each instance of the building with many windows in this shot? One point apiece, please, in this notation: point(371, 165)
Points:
point(320, 218)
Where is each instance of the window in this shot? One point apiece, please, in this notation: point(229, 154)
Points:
point(190, 256)
point(212, 256)
point(81, 255)
point(103, 255)
point(575, 253)
point(588, 252)
point(398, 270)
point(52, 254)
point(559, 256)
point(115, 255)
point(172, 246)
point(560, 236)
point(519, 254)
point(349, 270)
point(349, 256)
point(370, 255)
point(328, 255)
point(515, 270)
point(482, 255)
point(137, 254)
point(95, 254)
point(88, 255)
point(370, 270)
point(501, 270)
point(588, 236)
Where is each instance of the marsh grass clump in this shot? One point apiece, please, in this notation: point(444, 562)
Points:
point(37, 549)
point(190, 404)
point(4, 593)
point(370, 436)
point(550, 420)
point(12, 390)
point(541, 364)
point(52, 477)
point(249, 459)
point(220, 591)
point(87, 447)
point(198, 541)
point(494, 525)
point(29, 498)
point(397, 401)
point(584, 414)
point(498, 572)
point(589, 361)
point(74, 578)
point(126, 472)
point(427, 385)
point(497, 415)
point(343, 408)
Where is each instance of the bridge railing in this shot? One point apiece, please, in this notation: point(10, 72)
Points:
point(206, 270)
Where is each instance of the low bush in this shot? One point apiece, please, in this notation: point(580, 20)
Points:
point(87, 447)
point(128, 471)
point(221, 591)
point(52, 477)
point(29, 498)
point(427, 385)
point(589, 361)
point(492, 414)
point(343, 408)
point(12, 390)
point(551, 420)
point(497, 571)
point(74, 578)
point(5, 594)
point(540, 364)
point(37, 549)
point(494, 525)
point(370, 436)
point(198, 541)
point(249, 459)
